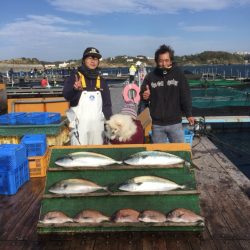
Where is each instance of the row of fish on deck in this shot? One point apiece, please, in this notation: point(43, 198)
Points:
point(178, 215)
point(90, 159)
point(136, 184)
point(143, 183)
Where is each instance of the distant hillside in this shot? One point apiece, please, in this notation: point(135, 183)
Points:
point(206, 57)
point(211, 57)
point(21, 60)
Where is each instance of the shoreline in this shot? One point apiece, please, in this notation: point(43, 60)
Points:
point(24, 67)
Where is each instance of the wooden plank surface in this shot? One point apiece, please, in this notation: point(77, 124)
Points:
point(224, 203)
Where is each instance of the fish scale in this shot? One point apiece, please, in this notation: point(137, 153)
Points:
point(75, 186)
point(55, 217)
point(183, 215)
point(84, 159)
point(149, 184)
point(153, 158)
point(90, 216)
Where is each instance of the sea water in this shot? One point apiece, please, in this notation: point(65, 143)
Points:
point(236, 146)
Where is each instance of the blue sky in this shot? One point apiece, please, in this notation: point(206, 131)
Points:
point(61, 29)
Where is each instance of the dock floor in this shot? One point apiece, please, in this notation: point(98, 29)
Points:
point(224, 200)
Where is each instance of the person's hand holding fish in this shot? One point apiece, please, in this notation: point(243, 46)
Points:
point(78, 84)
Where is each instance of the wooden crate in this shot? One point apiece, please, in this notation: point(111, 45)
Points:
point(38, 165)
point(112, 176)
point(60, 139)
point(9, 139)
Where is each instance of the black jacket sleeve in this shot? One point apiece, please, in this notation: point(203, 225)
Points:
point(146, 82)
point(106, 101)
point(69, 93)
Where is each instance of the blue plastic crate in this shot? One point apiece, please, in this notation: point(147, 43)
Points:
point(25, 119)
point(11, 156)
point(46, 118)
point(39, 118)
point(11, 118)
point(188, 136)
point(36, 144)
point(12, 180)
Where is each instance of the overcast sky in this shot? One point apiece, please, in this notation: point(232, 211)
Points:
point(62, 29)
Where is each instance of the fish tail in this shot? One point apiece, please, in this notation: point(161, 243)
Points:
point(200, 222)
point(107, 189)
point(119, 162)
point(191, 164)
point(182, 187)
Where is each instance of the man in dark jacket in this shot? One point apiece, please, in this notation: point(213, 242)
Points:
point(90, 102)
point(168, 95)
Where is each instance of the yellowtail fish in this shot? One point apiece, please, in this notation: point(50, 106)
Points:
point(126, 215)
point(152, 216)
point(84, 159)
point(55, 217)
point(153, 158)
point(149, 184)
point(75, 186)
point(90, 216)
point(184, 215)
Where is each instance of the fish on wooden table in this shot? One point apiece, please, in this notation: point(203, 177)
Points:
point(84, 159)
point(184, 215)
point(75, 186)
point(55, 217)
point(152, 216)
point(90, 216)
point(126, 215)
point(149, 184)
point(153, 158)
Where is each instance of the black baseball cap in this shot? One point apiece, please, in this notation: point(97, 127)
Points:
point(91, 51)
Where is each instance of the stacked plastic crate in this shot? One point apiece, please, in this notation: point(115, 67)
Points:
point(15, 125)
point(38, 118)
point(14, 170)
point(34, 118)
point(37, 150)
point(11, 118)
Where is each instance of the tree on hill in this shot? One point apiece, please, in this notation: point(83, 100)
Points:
point(212, 57)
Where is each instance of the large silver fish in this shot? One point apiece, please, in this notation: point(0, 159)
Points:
point(55, 217)
point(90, 216)
point(126, 215)
point(152, 216)
point(148, 184)
point(75, 186)
point(184, 215)
point(84, 159)
point(153, 158)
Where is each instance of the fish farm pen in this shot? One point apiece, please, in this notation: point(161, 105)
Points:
point(220, 101)
point(219, 97)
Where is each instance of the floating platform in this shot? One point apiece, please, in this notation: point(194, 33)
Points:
point(224, 200)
